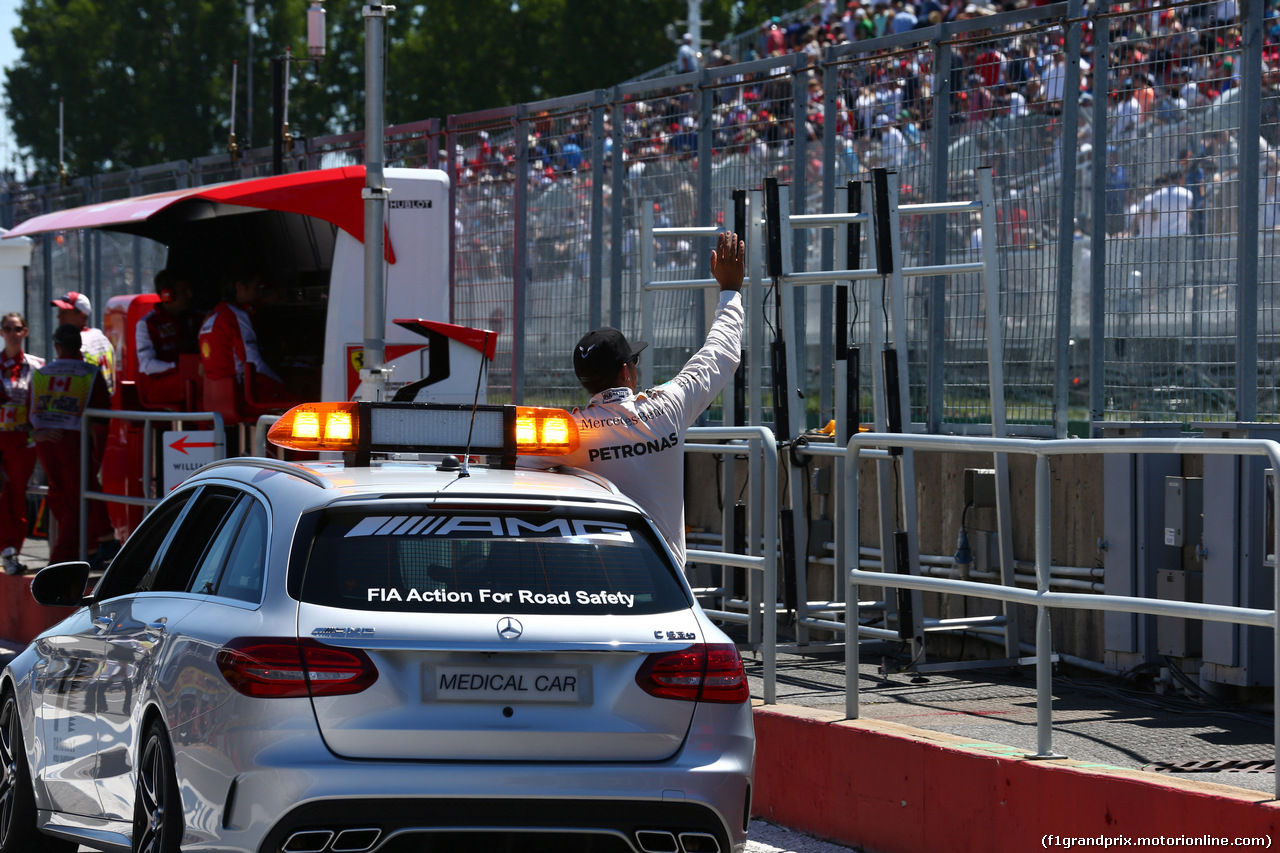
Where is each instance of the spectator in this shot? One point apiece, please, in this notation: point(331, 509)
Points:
point(17, 452)
point(74, 309)
point(1126, 113)
point(60, 392)
point(571, 153)
point(894, 151)
point(1194, 181)
point(1053, 82)
point(687, 58)
point(1165, 212)
point(864, 26)
point(775, 40)
point(904, 19)
point(1269, 194)
point(849, 20)
point(884, 17)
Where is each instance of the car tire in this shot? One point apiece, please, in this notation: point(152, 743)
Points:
point(157, 805)
point(18, 832)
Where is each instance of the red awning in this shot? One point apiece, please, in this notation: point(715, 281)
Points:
point(333, 195)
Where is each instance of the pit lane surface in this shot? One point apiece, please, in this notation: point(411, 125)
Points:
point(765, 837)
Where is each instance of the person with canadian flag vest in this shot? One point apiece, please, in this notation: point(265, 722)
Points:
point(17, 452)
point(60, 392)
point(74, 309)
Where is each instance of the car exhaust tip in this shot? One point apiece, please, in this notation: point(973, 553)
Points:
point(699, 842)
point(343, 841)
point(657, 841)
point(308, 841)
point(356, 840)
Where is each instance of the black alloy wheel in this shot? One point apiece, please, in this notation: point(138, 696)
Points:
point(157, 805)
point(18, 832)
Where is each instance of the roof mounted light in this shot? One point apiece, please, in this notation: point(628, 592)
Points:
point(368, 428)
point(317, 426)
point(545, 432)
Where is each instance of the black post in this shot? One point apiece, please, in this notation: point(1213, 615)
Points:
point(277, 116)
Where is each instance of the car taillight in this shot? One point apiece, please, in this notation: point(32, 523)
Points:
point(701, 673)
point(274, 667)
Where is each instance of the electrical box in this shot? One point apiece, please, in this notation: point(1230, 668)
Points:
point(1132, 547)
point(1179, 638)
point(980, 487)
point(1183, 510)
point(1238, 555)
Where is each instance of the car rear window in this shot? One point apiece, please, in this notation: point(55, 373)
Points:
point(418, 560)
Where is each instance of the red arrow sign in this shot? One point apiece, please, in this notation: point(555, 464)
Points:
point(182, 444)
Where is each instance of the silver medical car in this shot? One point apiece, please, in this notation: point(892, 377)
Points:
point(384, 655)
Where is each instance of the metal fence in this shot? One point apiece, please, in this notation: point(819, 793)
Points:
point(873, 445)
point(1146, 292)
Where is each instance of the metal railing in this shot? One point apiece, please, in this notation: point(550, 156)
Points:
point(1041, 598)
point(761, 614)
point(219, 452)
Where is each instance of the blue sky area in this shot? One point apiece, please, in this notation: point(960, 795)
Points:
point(8, 55)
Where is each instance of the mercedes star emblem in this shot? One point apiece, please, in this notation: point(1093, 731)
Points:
point(509, 629)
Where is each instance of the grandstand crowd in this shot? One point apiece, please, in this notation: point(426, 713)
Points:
point(1166, 65)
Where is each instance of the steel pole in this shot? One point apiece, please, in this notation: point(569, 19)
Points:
point(374, 195)
point(1044, 633)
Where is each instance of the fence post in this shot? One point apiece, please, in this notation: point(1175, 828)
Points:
point(90, 281)
point(451, 169)
point(1098, 243)
point(703, 245)
point(433, 146)
point(135, 189)
point(1247, 235)
point(1067, 219)
point(826, 333)
point(46, 245)
point(706, 109)
point(520, 252)
point(595, 300)
point(1044, 633)
point(800, 238)
point(618, 228)
point(940, 140)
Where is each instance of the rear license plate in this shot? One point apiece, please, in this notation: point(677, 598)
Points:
point(560, 685)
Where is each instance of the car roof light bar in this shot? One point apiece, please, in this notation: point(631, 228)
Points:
point(368, 428)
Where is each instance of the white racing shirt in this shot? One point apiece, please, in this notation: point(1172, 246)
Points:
point(637, 440)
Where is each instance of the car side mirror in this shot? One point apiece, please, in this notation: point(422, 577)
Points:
point(61, 585)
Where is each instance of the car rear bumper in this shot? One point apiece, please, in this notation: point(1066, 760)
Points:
point(403, 825)
point(704, 789)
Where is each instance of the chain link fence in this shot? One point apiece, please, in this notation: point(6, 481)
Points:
point(1142, 289)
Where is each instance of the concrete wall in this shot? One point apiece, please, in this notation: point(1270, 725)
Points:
point(886, 788)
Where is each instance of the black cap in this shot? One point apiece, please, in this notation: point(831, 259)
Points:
point(600, 354)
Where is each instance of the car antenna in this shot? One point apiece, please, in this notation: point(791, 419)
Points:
point(475, 402)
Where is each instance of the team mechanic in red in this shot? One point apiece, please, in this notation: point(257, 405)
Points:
point(637, 439)
point(228, 340)
point(60, 392)
point(17, 452)
point(167, 332)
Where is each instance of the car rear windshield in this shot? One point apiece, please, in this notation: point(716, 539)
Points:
point(419, 560)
